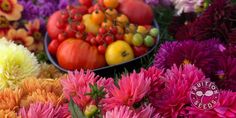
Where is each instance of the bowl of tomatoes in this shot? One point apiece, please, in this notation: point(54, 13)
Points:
point(105, 40)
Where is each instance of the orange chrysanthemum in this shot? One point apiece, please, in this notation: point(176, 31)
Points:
point(10, 9)
point(33, 30)
point(20, 36)
point(30, 85)
point(10, 99)
point(41, 96)
point(8, 114)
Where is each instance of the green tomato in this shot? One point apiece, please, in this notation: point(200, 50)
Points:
point(137, 39)
point(148, 41)
point(154, 32)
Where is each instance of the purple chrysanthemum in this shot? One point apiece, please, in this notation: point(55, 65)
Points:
point(202, 54)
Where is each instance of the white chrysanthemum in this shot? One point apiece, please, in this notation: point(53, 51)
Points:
point(16, 63)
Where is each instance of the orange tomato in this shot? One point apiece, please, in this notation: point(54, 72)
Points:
point(120, 29)
point(106, 24)
point(111, 3)
point(111, 13)
point(98, 16)
point(122, 20)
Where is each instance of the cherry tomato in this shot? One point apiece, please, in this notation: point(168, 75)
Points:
point(111, 3)
point(109, 39)
point(113, 30)
point(69, 31)
point(89, 36)
point(69, 7)
point(119, 36)
point(79, 35)
point(139, 50)
point(77, 17)
point(111, 13)
point(52, 47)
point(73, 12)
point(106, 24)
point(93, 41)
point(87, 3)
point(120, 29)
point(81, 27)
point(101, 49)
point(82, 9)
point(122, 20)
point(102, 30)
point(64, 15)
point(61, 37)
point(99, 39)
point(98, 16)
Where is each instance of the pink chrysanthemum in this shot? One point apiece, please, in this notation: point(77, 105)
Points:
point(76, 85)
point(226, 108)
point(147, 111)
point(64, 112)
point(131, 89)
point(157, 83)
point(120, 112)
point(39, 110)
point(175, 95)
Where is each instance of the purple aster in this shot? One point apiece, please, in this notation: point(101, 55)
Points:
point(202, 54)
point(157, 2)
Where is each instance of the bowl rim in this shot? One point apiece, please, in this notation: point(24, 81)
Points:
point(55, 63)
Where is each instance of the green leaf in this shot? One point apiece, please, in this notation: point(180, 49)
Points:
point(75, 110)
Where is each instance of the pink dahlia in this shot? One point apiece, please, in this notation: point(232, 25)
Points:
point(157, 83)
point(120, 112)
point(226, 108)
point(147, 111)
point(202, 54)
point(172, 99)
point(106, 83)
point(131, 89)
point(76, 85)
point(64, 112)
point(39, 110)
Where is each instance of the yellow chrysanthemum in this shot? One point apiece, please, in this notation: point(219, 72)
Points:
point(8, 114)
point(30, 85)
point(16, 63)
point(41, 96)
point(49, 71)
point(10, 99)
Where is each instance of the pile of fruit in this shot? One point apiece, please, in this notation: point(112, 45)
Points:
point(105, 33)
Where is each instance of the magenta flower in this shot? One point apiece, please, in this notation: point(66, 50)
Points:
point(131, 89)
point(172, 99)
point(120, 112)
point(202, 54)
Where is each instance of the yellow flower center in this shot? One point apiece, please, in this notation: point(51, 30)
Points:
point(186, 61)
point(37, 35)
point(6, 6)
point(3, 22)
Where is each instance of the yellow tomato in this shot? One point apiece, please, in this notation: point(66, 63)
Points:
point(118, 52)
point(122, 20)
point(106, 24)
point(111, 14)
point(98, 16)
point(89, 24)
point(129, 37)
point(131, 28)
point(111, 3)
point(142, 30)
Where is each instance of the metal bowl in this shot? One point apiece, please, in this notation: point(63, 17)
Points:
point(107, 71)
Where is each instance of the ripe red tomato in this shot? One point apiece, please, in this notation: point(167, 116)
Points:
point(76, 54)
point(137, 11)
point(139, 50)
point(109, 39)
point(87, 3)
point(53, 46)
point(52, 30)
point(101, 49)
